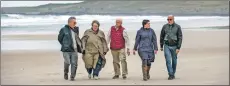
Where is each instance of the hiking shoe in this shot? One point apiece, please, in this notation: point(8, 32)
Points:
point(66, 76)
point(170, 78)
point(173, 77)
point(124, 76)
point(71, 79)
point(96, 77)
point(89, 76)
point(145, 79)
point(116, 77)
point(148, 76)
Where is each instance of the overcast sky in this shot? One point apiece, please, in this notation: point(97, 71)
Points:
point(31, 3)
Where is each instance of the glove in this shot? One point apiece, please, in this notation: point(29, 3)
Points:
point(152, 59)
point(104, 53)
point(83, 52)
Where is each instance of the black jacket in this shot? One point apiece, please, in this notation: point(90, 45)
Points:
point(65, 39)
point(175, 33)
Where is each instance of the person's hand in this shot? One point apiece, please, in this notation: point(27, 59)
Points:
point(134, 52)
point(128, 52)
point(155, 51)
point(104, 53)
point(177, 51)
point(161, 49)
point(83, 52)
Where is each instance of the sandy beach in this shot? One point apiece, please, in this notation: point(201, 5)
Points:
point(203, 60)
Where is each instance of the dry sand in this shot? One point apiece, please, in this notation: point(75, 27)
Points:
point(203, 60)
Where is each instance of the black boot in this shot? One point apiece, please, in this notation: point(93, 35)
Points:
point(116, 77)
point(124, 76)
point(66, 76)
point(173, 76)
point(170, 77)
point(71, 78)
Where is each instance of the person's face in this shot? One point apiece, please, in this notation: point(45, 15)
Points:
point(72, 23)
point(147, 25)
point(118, 23)
point(95, 27)
point(170, 20)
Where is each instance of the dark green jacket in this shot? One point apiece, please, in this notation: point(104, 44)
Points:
point(171, 32)
point(65, 39)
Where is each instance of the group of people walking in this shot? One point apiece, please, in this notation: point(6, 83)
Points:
point(94, 46)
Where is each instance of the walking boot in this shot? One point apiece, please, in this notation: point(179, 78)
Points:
point(66, 76)
point(72, 79)
point(124, 76)
point(116, 77)
point(95, 77)
point(148, 69)
point(144, 70)
point(170, 77)
point(173, 76)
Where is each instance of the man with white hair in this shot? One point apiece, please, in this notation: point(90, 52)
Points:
point(119, 43)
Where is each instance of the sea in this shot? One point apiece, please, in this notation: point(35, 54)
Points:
point(16, 24)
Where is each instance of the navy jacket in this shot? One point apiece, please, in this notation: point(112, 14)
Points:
point(146, 40)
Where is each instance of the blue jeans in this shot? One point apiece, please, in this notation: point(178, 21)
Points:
point(70, 58)
point(170, 57)
point(97, 68)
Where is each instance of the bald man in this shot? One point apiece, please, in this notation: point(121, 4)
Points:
point(119, 43)
point(171, 40)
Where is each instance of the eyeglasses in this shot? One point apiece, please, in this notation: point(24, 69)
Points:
point(169, 19)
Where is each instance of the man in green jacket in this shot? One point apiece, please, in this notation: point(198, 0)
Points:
point(70, 42)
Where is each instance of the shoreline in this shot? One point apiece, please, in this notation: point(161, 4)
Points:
point(131, 32)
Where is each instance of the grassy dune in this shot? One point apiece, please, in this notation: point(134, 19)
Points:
point(218, 8)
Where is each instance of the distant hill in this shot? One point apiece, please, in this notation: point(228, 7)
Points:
point(217, 8)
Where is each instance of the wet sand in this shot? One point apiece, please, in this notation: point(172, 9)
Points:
point(203, 60)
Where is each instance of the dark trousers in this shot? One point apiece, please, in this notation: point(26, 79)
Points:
point(171, 59)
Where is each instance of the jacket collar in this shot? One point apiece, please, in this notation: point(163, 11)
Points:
point(172, 24)
point(118, 27)
point(145, 28)
point(67, 26)
point(94, 31)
